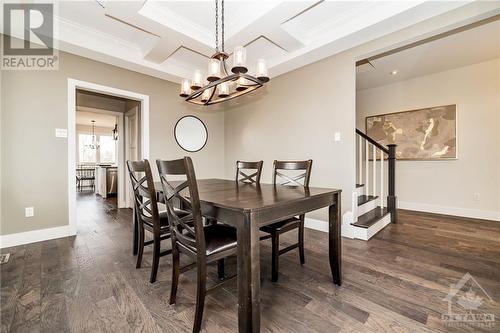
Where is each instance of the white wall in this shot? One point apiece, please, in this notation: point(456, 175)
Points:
point(448, 186)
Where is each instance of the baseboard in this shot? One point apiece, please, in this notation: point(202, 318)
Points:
point(455, 211)
point(322, 226)
point(316, 224)
point(34, 236)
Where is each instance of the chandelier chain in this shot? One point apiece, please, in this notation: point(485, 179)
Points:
point(221, 85)
point(216, 26)
point(222, 25)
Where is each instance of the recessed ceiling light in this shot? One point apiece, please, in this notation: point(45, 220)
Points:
point(394, 72)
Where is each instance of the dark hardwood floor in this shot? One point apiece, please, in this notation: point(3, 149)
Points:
point(395, 282)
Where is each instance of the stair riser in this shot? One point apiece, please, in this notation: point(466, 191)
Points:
point(367, 233)
point(367, 206)
point(360, 191)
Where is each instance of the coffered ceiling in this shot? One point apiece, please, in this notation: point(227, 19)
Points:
point(170, 39)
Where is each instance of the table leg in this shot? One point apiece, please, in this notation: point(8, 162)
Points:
point(248, 276)
point(334, 238)
point(135, 231)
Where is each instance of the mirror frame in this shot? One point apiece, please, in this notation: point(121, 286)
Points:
point(206, 131)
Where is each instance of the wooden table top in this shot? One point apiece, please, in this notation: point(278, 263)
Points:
point(250, 197)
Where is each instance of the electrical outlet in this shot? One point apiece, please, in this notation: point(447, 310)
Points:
point(29, 211)
point(337, 136)
point(477, 196)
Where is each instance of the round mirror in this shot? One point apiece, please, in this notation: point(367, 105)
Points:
point(191, 133)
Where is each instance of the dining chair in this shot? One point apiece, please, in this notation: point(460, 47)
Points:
point(203, 244)
point(85, 173)
point(147, 214)
point(280, 169)
point(254, 178)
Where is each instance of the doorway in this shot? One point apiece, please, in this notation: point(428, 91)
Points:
point(106, 127)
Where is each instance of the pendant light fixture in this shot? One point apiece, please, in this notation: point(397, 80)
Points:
point(221, 86)
point(93, 144)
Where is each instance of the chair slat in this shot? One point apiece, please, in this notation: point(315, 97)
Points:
point(253, 178)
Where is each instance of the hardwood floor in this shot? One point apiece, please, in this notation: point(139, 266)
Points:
point(395, 282)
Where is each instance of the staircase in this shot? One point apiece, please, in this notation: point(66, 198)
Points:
point(372, 209)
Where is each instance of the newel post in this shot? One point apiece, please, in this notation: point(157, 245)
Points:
point(391, 198)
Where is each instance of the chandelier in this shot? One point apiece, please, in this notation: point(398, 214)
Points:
point(221, 86)
point(94, 144)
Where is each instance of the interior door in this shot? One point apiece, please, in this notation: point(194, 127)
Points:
point(132, 145)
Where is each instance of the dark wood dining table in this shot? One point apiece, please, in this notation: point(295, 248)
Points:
point(247, 207)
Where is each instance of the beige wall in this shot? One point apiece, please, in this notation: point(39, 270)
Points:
point(34, 161)
point(449, 186)
point(296, 118)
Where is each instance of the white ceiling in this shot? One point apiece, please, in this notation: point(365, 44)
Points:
point(170, 39)
point(101, 120)
point(461, 49)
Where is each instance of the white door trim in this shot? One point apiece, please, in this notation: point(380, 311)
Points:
point(73, 85)
point(129, 200)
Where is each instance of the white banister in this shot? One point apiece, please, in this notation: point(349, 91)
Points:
point(374, 181)
point(367, 169)
point(360, 158)
point(374, 190)
point(382, 179)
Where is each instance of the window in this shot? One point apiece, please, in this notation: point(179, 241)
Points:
point(87, 155)
point(105, 153)
point(107, 149)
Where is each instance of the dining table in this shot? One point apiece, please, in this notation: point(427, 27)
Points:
point(248, 207)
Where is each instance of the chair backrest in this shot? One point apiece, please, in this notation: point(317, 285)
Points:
point(146, 205)
point(85, 172)
point(249, 178)
point(186, 225)
point(292, 180)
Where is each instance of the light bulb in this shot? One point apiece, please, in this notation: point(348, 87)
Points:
point(239, 60)
point(241, 84)
point(197, 80)
point(262, 71)
point(206, 95)
point(224, 89)
point(185, 88)
point(213, 70)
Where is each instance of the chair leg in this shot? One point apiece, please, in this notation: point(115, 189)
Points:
point(175, 274)
point(200, 296)
point(220, 269)
point(156, 258)
point(275, 239)
point(141, 246)
point(301, 243)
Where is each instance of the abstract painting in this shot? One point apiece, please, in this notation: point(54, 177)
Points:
point(424, 134)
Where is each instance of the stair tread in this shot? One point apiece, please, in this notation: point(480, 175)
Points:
point(362, 199)
point(370, 218)
point(359, 185)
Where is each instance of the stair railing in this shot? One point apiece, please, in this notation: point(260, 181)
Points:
point(378, 153)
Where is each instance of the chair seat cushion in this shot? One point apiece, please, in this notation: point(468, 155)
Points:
point(219, 237)
point(282, 226)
